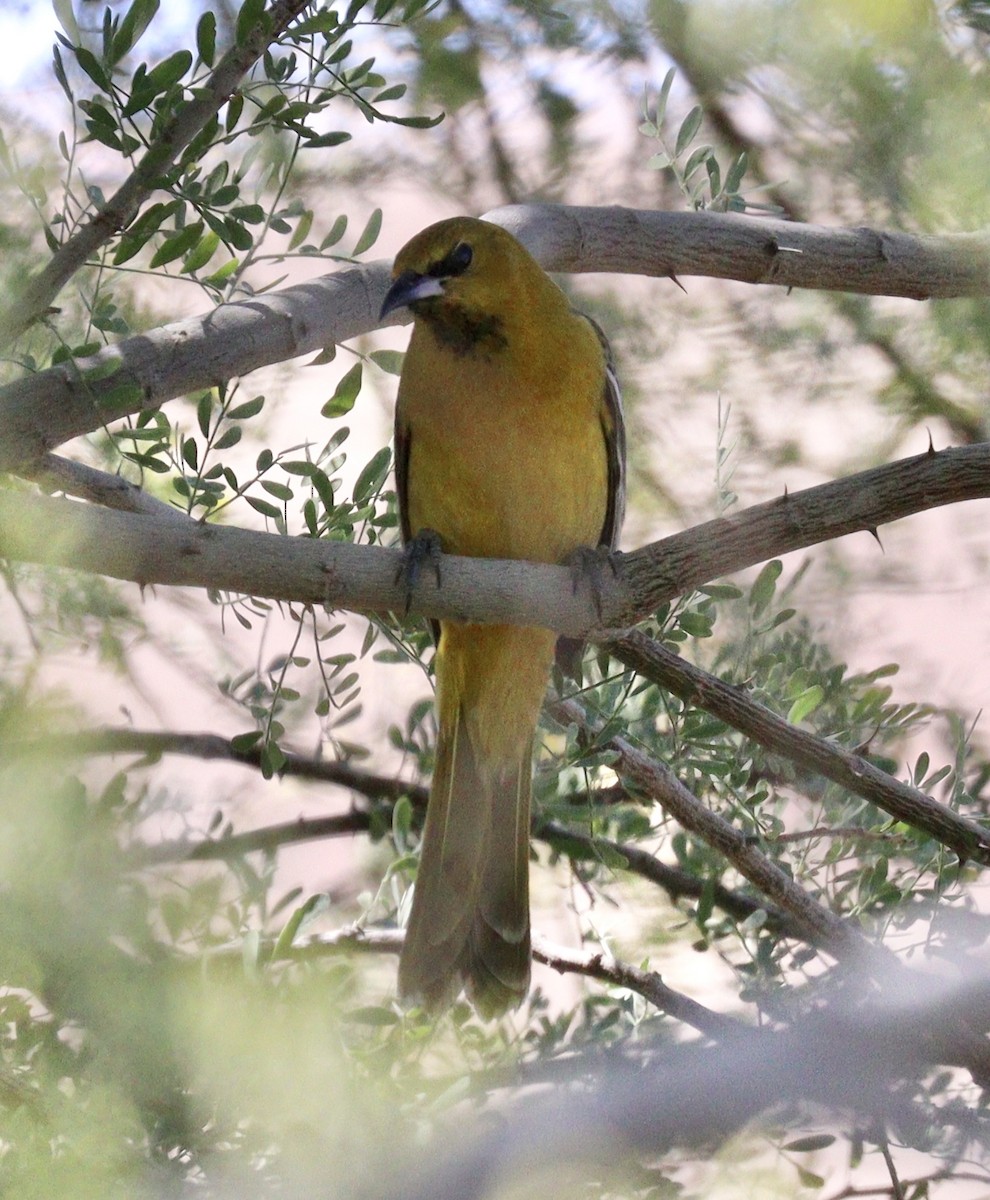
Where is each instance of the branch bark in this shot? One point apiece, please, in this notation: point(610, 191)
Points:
point(41, 411)
point(148, 550)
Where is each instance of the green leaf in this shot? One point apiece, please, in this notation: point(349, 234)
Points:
point(689, 127)
point(280, 491)
point(200, 255)
point(223, 273)
point(323, 140)
point(302, 229)
point(696, 624)
point(698, 156)
point(721, 591)
point(734, 176)
point(664, 96)
point(337, 231)
point(389, 361)
point(204, 411)
point(253, 214)
point(235, 106)
point(250, 408)
point(369, 234)
point(345, 394)
point(237, 235)
point(206, 38)
point(136, 20)
point(264, 507)
point(177, 244)
point(762, 591)
point(815, 1141)
point(93, 68)
point(228, 438)
point(714, 175)
point(170, 71)
point(805, 704)
point(373, 475)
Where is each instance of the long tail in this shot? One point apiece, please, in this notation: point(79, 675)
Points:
point(469, 923)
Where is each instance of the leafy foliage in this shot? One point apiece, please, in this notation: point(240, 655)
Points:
point(180, 1016)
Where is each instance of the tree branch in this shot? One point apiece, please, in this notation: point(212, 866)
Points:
point(750, 249)
point(648, 658)
point(151, 744)
point(189, 119)
point(817, 924)
point(57, 474)
point(675, 882)
point(647, 984)
point(149, 551)
point(642, 1105)
point(44, 410)
point(602, 967)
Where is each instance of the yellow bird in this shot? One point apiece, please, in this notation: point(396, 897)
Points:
point(509, 443)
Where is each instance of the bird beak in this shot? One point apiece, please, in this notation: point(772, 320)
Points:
point(408, 288)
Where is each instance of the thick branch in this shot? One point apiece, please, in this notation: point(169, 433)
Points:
point(57, 474)
point(751, 250)
point(44, 410)
point(908, 804)
point(41, 411)
point(189, 119)
point(147, 551)
point(846, 1057)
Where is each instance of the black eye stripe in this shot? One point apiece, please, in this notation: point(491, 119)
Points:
point(456, 262)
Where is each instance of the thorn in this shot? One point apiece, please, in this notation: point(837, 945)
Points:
point(931, 445)
point(786, 496)
point(673, 278)
point(873, 529)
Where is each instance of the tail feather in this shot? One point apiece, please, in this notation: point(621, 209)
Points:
point(469, 924)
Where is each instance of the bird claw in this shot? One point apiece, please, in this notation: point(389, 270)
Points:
point(587, 564)
point(425, 548)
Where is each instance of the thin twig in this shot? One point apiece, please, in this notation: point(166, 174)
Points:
point(377, 788)
point(595, 965)
point(674, 881)
point(188, 120)
point(647, 984)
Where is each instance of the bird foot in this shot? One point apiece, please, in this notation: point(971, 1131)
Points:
point(424, 549)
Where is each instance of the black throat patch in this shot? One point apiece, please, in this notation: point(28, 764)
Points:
point(460, 329)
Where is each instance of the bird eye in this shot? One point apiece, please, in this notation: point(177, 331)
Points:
point(459, 259)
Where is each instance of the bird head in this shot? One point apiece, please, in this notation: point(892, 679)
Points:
point(470, 280)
